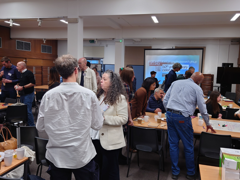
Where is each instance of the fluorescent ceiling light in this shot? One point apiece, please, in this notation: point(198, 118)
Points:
point(155, 20)
point(235, 17)
point(62, 20)
point(16, 24)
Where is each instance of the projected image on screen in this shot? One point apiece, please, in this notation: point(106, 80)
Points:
point(162, 63)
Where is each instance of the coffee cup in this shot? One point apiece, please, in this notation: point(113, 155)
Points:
point(8, 159)
point(146, 118)
point(139, 120)
point(160, 114)
point(159, 120)
point(20, 153)
point(230, 105)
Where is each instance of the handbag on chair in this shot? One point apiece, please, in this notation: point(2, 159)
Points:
point(8, 143)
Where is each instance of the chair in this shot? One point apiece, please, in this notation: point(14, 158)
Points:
point(144, 139)
point(10, 100)
point(210, 144)
point(27, 134)
point(230, 113)
point(40, 145)
point(231, 96)
point(39, 95)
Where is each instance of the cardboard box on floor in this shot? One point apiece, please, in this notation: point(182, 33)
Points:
point(230, 162)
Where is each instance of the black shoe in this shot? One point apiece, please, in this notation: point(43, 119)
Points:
point(174, 176)
point(191, 177)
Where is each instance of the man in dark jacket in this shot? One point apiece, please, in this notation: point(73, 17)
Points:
point(172, 76)
point(155, 103)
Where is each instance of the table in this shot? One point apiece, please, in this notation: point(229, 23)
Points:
point(15, 163)
point(3, 107)
point(209, 172)
point(45, 87)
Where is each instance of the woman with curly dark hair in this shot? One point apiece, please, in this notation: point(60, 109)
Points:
point(113, 101)
point(139, 102)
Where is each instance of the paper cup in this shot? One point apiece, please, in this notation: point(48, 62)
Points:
point(230, 105)
point(139, 120)
point(200, 122)
point(155, 117)
point(160, 114)
point(20, 153)
point(146, 118)
point(10, 151)
point(159, 120)
point(8, 159)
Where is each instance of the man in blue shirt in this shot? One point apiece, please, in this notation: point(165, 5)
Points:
point(172, 76)
point(180, 102)
point(10, 77)
point(155, 103)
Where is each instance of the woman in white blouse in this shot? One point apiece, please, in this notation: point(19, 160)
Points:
point(112, 97)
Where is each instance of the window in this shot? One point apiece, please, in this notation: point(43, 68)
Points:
point(23, 46)
point(46, 49)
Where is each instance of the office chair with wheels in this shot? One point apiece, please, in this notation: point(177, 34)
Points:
point(144, 139)
point(209, 147)
point(40, 145)
point(28, 134)
point(231, 96)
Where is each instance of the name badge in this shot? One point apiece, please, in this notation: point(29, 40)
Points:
point(9, 74)
point(84, 74)
point(104, 107)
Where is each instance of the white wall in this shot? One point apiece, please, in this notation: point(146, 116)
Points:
point(218, 51)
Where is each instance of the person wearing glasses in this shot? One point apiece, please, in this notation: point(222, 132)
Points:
point(141, 96)
point(110, 139)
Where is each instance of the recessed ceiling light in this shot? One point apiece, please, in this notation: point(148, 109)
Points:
point(16, 24)
point(62, 20)
point(235, 17)
point(155, 20)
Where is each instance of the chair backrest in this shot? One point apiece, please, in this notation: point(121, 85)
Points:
point(41, 149)
point(16, 113)
point(28, 133)
point(144, 136)
point(230, 113)
point(211, 143)
point(231, 96)
point(39, 95)
point(10, 100)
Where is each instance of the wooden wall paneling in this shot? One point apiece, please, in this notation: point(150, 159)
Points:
point(45, 74)
point(207, 84)
point(37, 71)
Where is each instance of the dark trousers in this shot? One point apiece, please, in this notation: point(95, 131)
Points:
point(110, 168)
point(88, 172)
point(8, 94)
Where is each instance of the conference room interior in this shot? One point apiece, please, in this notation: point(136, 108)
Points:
point(117, 36)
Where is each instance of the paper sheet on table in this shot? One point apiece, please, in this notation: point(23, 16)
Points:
point(225, 125)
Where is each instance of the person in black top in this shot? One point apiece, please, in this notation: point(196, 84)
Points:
point(213, 107)
point(172, 76)
point(153, 75)
point(54, 79)
point(26, 89)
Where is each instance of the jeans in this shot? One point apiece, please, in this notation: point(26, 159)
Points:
point(180, 127)
point(87, 172)
point(8, 94)
point(28, 100)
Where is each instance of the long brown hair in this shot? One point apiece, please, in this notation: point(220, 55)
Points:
point(127, 75)
point(213, 100)
point(54, 76)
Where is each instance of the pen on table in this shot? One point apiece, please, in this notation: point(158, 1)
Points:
point(203, 127)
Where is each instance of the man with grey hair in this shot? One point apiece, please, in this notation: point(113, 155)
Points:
point(66, 114)
point(86, 76)
point(172, 76)
point(155, 103)
point(25, 89)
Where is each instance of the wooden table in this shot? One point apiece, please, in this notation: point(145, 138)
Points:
point(4, 107)
point(223, 103)
point(45, 87)
point(15, 163)
point(209, 172)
